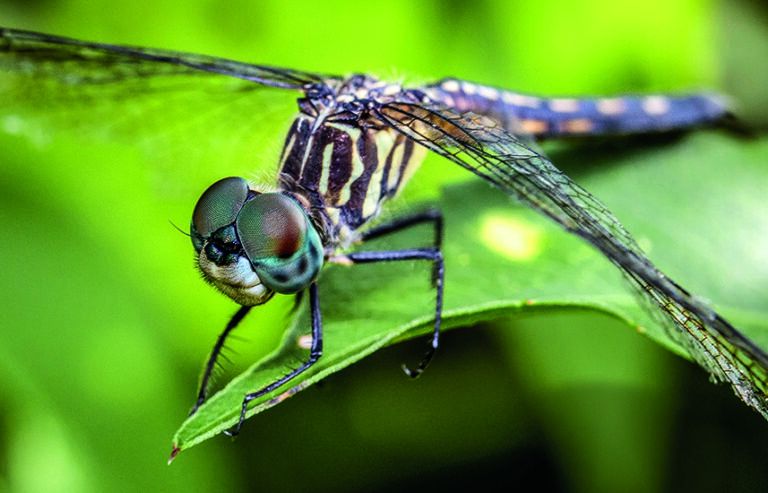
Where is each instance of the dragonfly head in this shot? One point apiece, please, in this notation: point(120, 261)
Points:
point(251, 245)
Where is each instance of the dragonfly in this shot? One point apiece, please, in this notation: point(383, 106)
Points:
point(353, 145)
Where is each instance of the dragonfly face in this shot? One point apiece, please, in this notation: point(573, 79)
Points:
point(251, 245)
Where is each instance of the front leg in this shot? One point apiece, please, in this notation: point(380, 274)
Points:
point(433, 254)
point(212, 359)
point(315, 351)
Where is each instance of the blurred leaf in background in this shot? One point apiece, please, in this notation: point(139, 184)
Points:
point(106, 323)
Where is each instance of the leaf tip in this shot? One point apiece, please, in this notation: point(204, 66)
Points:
point(174, 453)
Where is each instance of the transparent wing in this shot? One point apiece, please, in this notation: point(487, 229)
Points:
point(72, 61)
point(480, 145)
point(165, 102)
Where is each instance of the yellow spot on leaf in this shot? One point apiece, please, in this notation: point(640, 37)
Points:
point(509, 236)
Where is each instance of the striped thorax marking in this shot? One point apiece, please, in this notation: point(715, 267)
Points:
point(346, 170)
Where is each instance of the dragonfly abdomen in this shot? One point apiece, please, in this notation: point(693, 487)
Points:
point(564, 117)
point(345, 170)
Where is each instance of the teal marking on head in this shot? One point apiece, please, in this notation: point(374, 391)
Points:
point(280, 241)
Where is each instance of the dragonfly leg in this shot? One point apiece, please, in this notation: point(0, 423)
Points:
point(431, 215)
point(436, 256)
point(315, 351)
point(211, 364)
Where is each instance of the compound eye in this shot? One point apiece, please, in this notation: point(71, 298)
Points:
point(219, 205)
point(271, 225)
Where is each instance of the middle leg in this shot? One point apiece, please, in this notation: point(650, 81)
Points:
point(436, 257)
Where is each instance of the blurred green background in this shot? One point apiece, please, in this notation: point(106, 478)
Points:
point(105, 323)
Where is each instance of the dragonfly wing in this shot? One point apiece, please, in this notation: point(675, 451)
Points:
point(480, 145)
point(162, 102)
point(73, 61)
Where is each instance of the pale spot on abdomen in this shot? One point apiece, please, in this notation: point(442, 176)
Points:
point(655, 105)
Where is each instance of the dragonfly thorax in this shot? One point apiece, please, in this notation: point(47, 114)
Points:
point(346, 170)
point(353, 98)
point(344, 159)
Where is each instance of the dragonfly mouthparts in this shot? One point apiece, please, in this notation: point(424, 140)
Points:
point(236, 279)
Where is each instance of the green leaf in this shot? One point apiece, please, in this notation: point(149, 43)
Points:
point(697, 206)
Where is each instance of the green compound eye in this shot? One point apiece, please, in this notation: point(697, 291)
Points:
point(271, 225)
point(280, 242)
point(219, 205)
